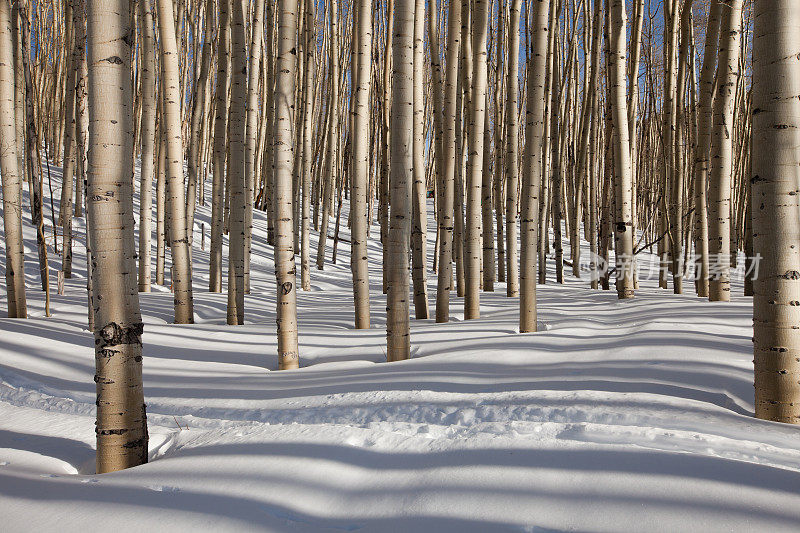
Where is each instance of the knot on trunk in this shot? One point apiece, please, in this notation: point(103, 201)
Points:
point(112, 334)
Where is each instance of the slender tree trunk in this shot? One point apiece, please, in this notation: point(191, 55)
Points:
point(477, 119)
point(32, 157)
point(161, 206)
point(512, 149)
point(237, 168)
point(419, 216)
point(362, 56)
point(703, 147)
point(622, 154)
point(331, 154)
point(148, 80)
point(220, 143)
point(401, 158)
point(719, 191)
point(66, 207)
point(81, 95)
point(532, 173)
point(9, 171)
point(446, 196)
point(121, 420)
point(257, 25)
point(308, 155)
point(288, 354)
point(197, 116)
point(181, 277)
point(776, 136)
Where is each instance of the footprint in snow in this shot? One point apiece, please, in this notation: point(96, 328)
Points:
point(4, 463)
point(90, 480)
point(163, 488)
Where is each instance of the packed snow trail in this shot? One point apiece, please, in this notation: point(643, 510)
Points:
point(616, 416)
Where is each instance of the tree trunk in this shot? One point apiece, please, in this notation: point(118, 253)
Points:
point(121, 420)
point(9, 171)
point(257, 25)
point(703, 147)
point(444, 282)
point(719, 190)
point(401, 158)
point(288, 355)
point(362, 56)
point(622, 151)
point(477, 119)
point(220, 142)
point(776, 230)
point(148, 81)
point(512, 150)
point(532, 174)
point(237, 168)
point(181, 277)
point(308, 155)
point(419, 217)
point(331, 153)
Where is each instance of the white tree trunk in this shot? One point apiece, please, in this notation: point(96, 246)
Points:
point(121, 420)
point(776, 229)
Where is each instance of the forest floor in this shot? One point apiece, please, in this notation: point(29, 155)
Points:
point(617, 416)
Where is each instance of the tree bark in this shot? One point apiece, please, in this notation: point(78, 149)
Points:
point(719, 190)
point(361, 69)
point(532, 173)
point(623, 179)
point(288, 352)
point(121, 420)
point(776, 230)
point(401, 168)
point(181, 277)
point(9, 171)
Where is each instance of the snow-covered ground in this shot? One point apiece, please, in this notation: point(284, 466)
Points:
point(616, 416)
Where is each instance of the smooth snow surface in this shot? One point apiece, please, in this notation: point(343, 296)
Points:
point(616, 416)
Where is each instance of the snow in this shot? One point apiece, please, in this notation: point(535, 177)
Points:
point(616, 416)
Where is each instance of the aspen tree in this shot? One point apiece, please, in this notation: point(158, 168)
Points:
point(437, 88)
point(361, 71)
point(197, 116)
point(19, 90)
point(401, 158)
point(383, 205)
point(419, 215)
point(308, 156)
point(532, 174)
point(588, 112)
point(623, 231)
point(288, 354)
point(332, 144)
point(512, 150)
point(477, 119)
point(121, 420)
point(81, 114)
point(703, 146)
point(68, 169)
point(220, 142)
point(9, 171)
point(444, 282)
point(776, 229)
point(161, 204)
point(171, 119)
point(719, 190)
point(236, 167)
point(148, 96)
point(254, 51)
point(32, 157)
